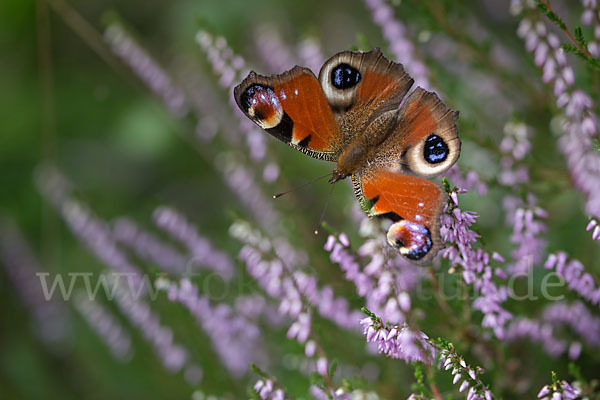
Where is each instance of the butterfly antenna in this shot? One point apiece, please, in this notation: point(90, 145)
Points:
point(324, 209)
point(278, 195)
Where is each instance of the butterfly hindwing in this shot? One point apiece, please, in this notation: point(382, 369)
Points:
point(293, 108)
point(392, 184)
point(411, 203)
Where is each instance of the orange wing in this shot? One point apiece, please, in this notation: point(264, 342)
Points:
point(425, 141)
point(413, 205)
point(293, 108)
point(361, 86)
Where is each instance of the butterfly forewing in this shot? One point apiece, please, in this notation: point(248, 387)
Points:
point(293, 108)
point(361, 86)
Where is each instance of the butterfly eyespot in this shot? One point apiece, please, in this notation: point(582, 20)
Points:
point(435, 150)
point(261, 104)
point(412, 240)
point(344, 76)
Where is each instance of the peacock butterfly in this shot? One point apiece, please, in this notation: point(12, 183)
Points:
point(351, 115)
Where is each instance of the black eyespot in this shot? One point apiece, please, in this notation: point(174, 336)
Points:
point(344, 76)
point(246, 99)
point(435, 150)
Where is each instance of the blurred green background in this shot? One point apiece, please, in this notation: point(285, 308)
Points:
point(67, 101)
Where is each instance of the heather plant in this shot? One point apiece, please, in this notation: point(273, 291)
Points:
point(147, 253)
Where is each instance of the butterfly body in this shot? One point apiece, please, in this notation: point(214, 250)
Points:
point(352, 115)
point(363, 146)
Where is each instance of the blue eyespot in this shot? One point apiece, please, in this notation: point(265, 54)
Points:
point(344, 76)
point(412, 240)
point(435, 150)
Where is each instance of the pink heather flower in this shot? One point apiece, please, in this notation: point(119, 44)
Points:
point(300, 329)
point(580, 122)
point(400, 46)
point(201, 251)
point(344, 240)
point(330, 242)
point(322, 366)
point(399, 341)
point(290, 286)
point(497, 257)
point(272, 51)
point(463, 386)
point(456, 378)
point(455, 230)
point(173, 356)
point(24, 273)
point(234, 337)
point(309, 348)
point(148, 69)
point(318, 393)
point(454, 197)
point(559, 390)
point(574, 350)
point(537, 332)
point(310, 54)
point(148, 246)
point(255, 306)
point(270, 172)
point(527, 228)
point(516, 144)
point(266, 390)
point(109, 328)
point(590, 18)
point(404, 301)
point(460, 370)
point(384, 277)
point(577, 280)
point(230, 68)
point(94, 232)
point(242, 181)
point(578, 318)
point(525, 218)
point(472, 394)
point(470, 180)
point(544, 392)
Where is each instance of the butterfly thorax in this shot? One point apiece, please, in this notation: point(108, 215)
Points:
point(364, 145)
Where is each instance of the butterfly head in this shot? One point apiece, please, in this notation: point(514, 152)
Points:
point(338, 174)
